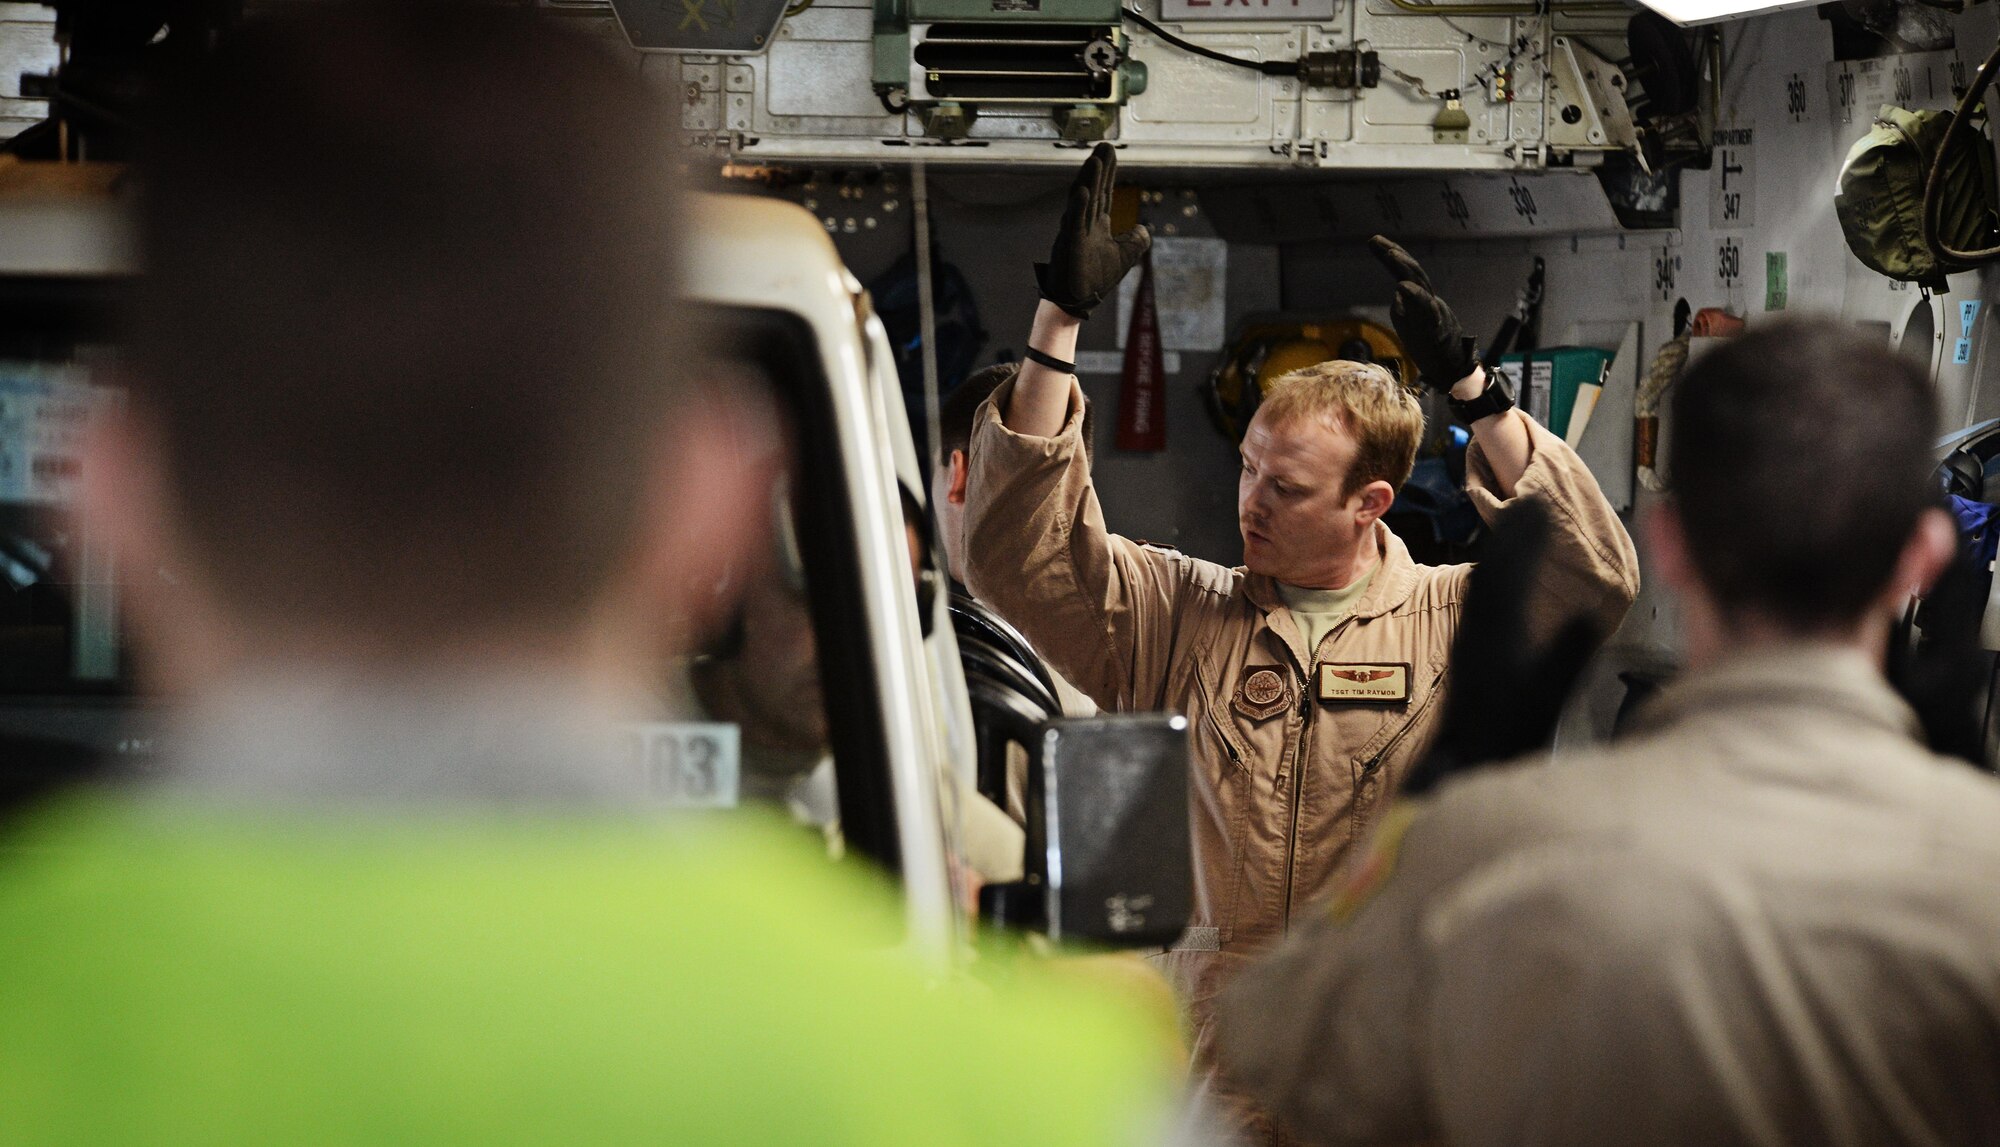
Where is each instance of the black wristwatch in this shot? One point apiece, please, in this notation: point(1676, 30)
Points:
point(1495, 399)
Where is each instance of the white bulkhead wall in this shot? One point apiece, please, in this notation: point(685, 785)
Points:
point(1781, 93)
point(1801, 112)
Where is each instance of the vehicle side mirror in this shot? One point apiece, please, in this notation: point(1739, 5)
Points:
point(1108, 829)
point(1108, 858)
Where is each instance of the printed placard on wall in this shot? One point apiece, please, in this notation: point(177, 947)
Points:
point(44, 412)
point(1968, 314)
point(1855, 89)
point(1777, 280)
point(1113, 362)
point(1732, 181)
point(1189, 281)
point(1283, 10)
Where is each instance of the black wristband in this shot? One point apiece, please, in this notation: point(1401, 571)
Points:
point(1493, 400)
point(1049, 360)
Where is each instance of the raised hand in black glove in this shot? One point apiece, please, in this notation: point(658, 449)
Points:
point(1505, 695)
point(1944, 674)
point(1429, 331)
point(1087, 260)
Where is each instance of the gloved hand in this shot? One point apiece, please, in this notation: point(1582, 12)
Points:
point(1945, 677)
point(1430, 332)
point(1506, 696)
point(1087, 260)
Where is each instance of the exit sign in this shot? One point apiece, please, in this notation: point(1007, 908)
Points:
point(1181, 10)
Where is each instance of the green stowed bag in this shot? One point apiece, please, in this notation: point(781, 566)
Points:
point(1918, 197)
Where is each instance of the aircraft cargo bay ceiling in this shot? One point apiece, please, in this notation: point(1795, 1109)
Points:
point(1243, 84)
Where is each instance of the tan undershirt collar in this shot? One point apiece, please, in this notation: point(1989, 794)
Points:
point(1316, 611)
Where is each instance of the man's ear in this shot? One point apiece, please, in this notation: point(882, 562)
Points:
point(181, 637)
point(1666, 545)
point(119, 491)
point(961, 471)
point(1375, 499)
point(708, 520)
point(1928, 551)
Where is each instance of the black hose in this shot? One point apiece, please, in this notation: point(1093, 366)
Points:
point(1268, 67)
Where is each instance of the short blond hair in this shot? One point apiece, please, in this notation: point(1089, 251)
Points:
point(1368, 402)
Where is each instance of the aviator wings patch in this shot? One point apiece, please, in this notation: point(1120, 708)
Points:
point(1368, 683)
point(1363, 675)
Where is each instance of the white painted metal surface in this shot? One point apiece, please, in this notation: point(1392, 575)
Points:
point(1790, 113)
point(765, 254)
point(27, 44)
point(64, 238)
point(810, 98)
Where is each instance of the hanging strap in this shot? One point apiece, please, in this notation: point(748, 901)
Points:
point(1962, 120)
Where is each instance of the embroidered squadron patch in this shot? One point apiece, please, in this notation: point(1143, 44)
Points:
point(1263, 693)
point(1371, 683)
point(1368, 876)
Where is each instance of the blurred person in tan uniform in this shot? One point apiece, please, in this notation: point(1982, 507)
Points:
point(1765, 916)
point(948, 492)
point(1311, 673)
point(762, 674)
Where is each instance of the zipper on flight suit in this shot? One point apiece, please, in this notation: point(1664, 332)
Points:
point(1298, 786)
point(1213, 715)
point(1374, 764)
point(1228, 746)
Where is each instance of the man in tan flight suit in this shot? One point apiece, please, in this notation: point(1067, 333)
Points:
point(1767, 916)
point(1296, 745)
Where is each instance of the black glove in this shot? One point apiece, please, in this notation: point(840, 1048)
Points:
point(1506, 696)
point(1429, 331)
point(1944, 674)
point(1087, 260)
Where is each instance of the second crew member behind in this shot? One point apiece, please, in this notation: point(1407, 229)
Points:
point(949, 479)
point(1311, 673)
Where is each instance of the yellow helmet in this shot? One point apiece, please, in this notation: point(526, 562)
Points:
point(1265, 352)
point(1287, 355)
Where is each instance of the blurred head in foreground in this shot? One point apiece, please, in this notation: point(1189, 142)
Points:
point(403, 365)
point(1800, 455)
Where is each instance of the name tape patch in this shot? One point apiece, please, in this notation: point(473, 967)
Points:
point(1374, 683)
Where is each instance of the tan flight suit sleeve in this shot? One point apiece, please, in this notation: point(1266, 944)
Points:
point(1102, 609)
point(1591, 568)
